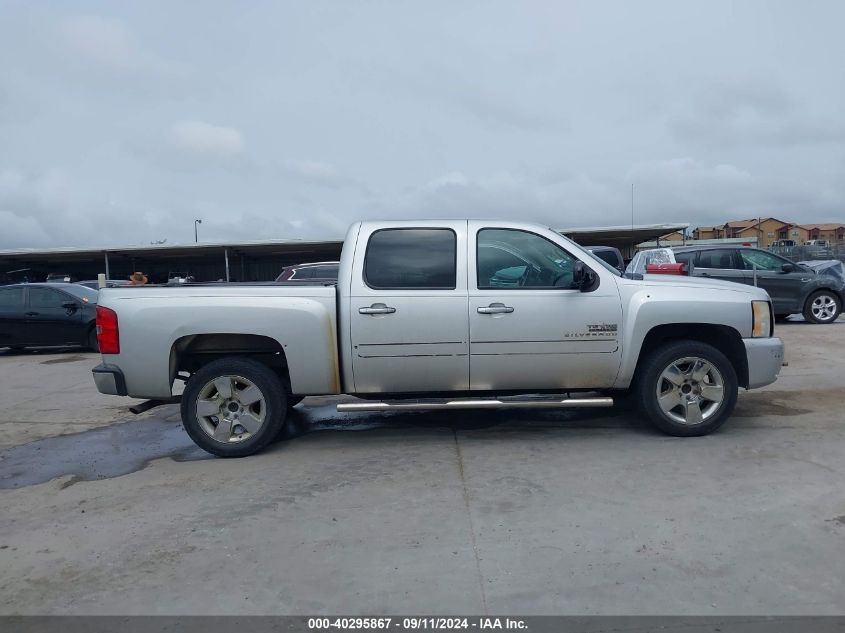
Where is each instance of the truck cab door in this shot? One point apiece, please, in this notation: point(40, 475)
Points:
point(530, 328)
point(408, 308)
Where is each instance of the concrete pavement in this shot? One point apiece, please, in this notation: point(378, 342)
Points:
point(517, 512)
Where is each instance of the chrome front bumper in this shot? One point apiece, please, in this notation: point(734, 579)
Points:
point(765, 358)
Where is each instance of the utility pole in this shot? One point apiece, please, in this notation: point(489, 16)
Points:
point(196, 236)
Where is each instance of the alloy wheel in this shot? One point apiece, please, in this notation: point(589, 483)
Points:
point(690, 390)
point(230, 409)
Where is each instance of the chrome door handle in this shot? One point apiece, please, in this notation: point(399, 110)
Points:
point(495, 308)
point(377, 308)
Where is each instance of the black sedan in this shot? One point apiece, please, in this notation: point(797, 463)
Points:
point(47, 314)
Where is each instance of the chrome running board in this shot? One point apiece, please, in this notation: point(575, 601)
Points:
point(566, 403)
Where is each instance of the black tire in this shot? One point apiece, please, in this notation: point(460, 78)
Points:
point(814, 315)
point(93, 344)
point(649, 380)
point(274, 406)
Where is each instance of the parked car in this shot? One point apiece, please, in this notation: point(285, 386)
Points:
point(610, 254)
point(60, 277)
point(817, 249)
point(444, 315)
point(794, 288)
point(313, 273)
point(177, 277)
point(47, 314)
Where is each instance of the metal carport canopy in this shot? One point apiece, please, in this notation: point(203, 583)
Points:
point(620, 236)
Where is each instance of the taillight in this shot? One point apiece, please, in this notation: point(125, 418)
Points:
point(108, 335)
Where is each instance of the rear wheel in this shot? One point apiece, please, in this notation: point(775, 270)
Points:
point(687, 388)
point(822, 306)
point(234, 407)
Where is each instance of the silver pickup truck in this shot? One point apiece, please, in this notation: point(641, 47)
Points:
point(448, 314)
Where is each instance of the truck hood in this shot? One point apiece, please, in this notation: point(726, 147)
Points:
point(682, 281)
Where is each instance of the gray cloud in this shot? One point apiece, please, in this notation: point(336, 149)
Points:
point(753, 112)
point(203, 140)
point(121, 123)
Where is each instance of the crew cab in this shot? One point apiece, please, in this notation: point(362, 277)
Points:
point(449, 314)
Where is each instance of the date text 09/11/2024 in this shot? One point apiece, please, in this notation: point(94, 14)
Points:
point(416, 623)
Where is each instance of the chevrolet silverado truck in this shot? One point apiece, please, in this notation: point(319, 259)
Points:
point(444, 315)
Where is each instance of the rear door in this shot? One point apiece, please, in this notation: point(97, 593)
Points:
point(408, 309)
point(720, 263)
point(12, 319)
point(53, 317)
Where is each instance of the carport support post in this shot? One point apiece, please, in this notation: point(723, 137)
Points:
point(106, 253)
point(226, 256)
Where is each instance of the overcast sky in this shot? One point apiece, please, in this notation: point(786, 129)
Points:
point(121, 122)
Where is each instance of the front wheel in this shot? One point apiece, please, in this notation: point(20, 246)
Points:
point(234, 407)
point(822, 307)
point(687, 388)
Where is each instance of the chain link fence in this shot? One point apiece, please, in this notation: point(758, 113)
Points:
point(803, 253)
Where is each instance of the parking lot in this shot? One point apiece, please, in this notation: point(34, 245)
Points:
point(509, 512)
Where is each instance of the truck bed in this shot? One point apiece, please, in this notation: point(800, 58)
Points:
point(159, 322)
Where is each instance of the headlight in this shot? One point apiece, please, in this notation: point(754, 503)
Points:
point(761, 312)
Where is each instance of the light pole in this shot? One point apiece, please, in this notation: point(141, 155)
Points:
point(196, 238)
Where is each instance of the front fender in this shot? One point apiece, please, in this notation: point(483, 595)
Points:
point(651, 308)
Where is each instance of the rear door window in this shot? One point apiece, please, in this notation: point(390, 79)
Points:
point(11, 300)
point(46, 298)
point(411, 259)
point(723, 258)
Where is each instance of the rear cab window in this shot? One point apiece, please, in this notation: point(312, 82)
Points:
point(411, 259)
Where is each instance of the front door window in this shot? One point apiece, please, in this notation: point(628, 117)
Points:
point(510, 258)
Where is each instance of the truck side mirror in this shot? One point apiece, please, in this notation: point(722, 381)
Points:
point(583, 278)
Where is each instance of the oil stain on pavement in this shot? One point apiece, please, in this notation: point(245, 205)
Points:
point(127, 447)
